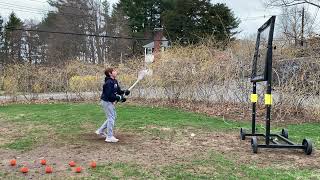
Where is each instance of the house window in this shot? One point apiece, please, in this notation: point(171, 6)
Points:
point(149, 51)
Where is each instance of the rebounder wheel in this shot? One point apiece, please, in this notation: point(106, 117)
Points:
point(307, 144)
point(242, 134)
point(254, 144)
point(285, 133)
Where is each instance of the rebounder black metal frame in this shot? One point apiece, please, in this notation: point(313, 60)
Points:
point(271, 140)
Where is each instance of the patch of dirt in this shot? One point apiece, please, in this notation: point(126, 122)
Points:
point(231, 146)
point(10, 131)
point(3, 132)
point(151, 151)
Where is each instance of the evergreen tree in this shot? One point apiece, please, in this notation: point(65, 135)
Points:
point(13, 39)
point(184, 20)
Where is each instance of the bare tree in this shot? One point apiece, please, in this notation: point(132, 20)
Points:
point(295, 24)
point(31, 44)
point(286, 3)
point(119, 26)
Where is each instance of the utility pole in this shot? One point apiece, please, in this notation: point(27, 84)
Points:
point(121, 58)
point(302, 27)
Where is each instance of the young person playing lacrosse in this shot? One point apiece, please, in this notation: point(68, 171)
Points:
point(111, 94)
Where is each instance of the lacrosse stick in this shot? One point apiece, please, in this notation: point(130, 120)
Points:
point(141, 75)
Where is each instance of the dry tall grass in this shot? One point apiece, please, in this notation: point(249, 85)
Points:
point(194, 73)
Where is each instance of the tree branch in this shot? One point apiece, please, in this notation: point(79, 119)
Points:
point(314, 4)
point(287, 3)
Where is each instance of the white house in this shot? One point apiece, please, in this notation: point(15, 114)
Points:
point(150, 50)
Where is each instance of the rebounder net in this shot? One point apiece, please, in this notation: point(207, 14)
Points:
point(263, 51)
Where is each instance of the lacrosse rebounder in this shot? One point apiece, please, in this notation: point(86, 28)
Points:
point(262, 72)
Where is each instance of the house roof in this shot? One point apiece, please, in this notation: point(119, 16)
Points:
point(164, 43)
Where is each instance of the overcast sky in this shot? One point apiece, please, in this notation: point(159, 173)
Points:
point(250, 12)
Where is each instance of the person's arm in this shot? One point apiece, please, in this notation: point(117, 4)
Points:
point(121, 92)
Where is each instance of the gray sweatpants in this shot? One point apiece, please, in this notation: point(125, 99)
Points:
point(111, 115)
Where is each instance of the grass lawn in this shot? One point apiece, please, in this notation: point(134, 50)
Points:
point(28, 127)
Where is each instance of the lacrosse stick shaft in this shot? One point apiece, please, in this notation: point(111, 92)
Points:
point(140, 77)
point(134, 84)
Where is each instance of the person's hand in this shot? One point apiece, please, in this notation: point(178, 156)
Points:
point(119, 98)
point(126, 92)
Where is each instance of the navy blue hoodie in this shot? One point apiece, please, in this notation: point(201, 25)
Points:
point(110, 89)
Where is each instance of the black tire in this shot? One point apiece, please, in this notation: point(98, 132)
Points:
point(242, 134)
point(254, 144)
point(285, 133)
point(307, 146)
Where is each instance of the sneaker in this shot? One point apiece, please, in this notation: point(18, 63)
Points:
point(112, 139)
point(103, 134)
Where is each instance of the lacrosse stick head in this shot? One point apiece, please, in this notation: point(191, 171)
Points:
point(142, 74)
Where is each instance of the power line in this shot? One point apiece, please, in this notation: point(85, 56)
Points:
point(80, 34)
point(28, 10)
point(31, 9)
point(265, 16)
point(21, 10)
point(25, 7)
point(45, 13)
point(62, 5)
point(37, 11)
point(57, 4)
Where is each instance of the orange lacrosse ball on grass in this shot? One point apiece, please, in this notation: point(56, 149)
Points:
point(13, 162)
point(24, 170)
point(49, 170)
point(72, 164)
point(43, 162)
point(78, 170)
